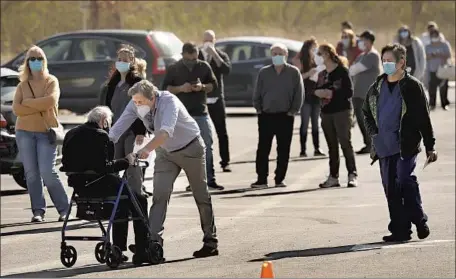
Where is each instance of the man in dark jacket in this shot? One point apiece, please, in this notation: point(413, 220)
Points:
point(88, 156)
point(396, 114)
point(221, 65)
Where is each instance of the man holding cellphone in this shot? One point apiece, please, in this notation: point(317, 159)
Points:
point(191, 79)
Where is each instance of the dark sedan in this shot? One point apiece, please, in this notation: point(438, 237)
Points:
point(81, 60)
point(248, 55)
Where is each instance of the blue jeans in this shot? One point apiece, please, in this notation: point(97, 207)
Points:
point(205, 125)
point(38, 157)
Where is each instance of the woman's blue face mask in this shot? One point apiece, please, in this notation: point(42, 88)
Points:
point(122, 67)
point(35, 64)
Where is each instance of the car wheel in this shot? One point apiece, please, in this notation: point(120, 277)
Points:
point(19, 177)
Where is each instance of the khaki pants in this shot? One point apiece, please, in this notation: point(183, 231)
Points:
point(168, 165)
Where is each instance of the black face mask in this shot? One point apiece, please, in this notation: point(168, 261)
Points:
point(189, 63)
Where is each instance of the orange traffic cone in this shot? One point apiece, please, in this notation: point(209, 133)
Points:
point(266, 270)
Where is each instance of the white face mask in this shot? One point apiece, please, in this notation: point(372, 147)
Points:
point(318, 60)
point(206, 45)
point(143, 110)
point(361, 45)
point(435, 40)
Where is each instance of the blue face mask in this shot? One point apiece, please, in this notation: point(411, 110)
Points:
point(35, 66)
point(389, 68)
point(122, 67)
point(278, 60)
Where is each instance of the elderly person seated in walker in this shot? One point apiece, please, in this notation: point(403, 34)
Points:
point(84, 163)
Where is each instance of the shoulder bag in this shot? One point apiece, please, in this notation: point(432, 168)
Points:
point(446, 72)
point(55, 134)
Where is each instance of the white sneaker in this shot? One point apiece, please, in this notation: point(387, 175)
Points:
point(330, 182)
point(37, 219)
point(352, 180)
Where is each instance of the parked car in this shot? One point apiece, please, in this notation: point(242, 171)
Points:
point(248, 55)
point(10, 162)
point(81, 60)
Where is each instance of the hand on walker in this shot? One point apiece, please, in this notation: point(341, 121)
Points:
point(143, 153)
point(139, 139)
point(131, 158)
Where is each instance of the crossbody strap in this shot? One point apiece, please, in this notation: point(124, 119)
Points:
point(44, 119)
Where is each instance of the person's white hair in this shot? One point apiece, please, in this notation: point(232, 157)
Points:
point(144, 87)
point(210, 32)
point(280, 46)
point(99, 113)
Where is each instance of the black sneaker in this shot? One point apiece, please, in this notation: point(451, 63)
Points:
point(215, 186)
point(423, 230)
point(226, 169)
point(132, 248)
point(318, 152)
point(144, 189)
point(188, 188)
point(206, 251)
point(259, 184)
point(303, 154)
point(364, 150)
point(280, 184)
point(124, 258)
point(396, 238)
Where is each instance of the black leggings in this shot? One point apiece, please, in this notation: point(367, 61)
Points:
point(442, 85)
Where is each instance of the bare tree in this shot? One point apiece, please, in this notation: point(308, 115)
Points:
point(94, 21)
point(417, 8)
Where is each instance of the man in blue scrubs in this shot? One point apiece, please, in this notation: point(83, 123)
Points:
point(396, 114)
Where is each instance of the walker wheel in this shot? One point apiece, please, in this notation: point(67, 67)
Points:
point(68, 256)
point(155, 252)
point(100, 252)
point(114, 257)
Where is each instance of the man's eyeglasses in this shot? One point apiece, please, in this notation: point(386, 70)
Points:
point(36, 58)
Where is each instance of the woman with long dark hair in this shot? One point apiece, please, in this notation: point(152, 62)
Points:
point(115, 96)
point(335, 88)
point(310, 109)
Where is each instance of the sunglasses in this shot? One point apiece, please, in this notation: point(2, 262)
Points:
point(36, 58)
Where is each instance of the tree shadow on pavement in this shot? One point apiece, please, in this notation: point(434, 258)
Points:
point(323, 251)
point(281, 193)
point(93, 268)
point(226, 192)
point(52, 229)
point(21, 224)
point(292, 159)
point(5, 193)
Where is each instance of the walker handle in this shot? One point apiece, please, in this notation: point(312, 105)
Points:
point(141, 163)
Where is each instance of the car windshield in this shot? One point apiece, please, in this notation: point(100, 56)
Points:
point(168, 43)
point(9, 84)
